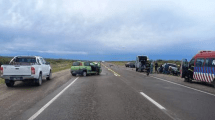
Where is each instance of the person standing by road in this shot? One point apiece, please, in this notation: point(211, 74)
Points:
point(151, 67)
point(148, 64)
point(156, 67)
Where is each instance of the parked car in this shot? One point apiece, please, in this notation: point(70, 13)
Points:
point(85, 68)
point(22, 68)
point(130, 64)
point(168, 68)
point(127, 64)
point(173, 69)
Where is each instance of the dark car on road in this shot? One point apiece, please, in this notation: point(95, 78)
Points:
point(127, 64)
point(130, 64)
point(168, 68)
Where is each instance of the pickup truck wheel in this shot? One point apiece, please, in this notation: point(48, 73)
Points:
point(186, 79)
point(10, 84)
point(84, 73)
point(39, 80)
point(97, 72)
point(50, 75)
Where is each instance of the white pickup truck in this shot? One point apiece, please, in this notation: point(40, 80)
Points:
point(22, 68)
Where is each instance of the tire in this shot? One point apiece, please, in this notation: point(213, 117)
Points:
point(84, 73)
point(186, 79)
point(10, 84)
point(39, 81)
point(213, 83)
point(98, 72)
point(50, 76)
point(136, 69)
point(73, 74)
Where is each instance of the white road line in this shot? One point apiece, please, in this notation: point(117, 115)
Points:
point(184, 86)
point(154, 102)
point(116, 74)
point(51, 101)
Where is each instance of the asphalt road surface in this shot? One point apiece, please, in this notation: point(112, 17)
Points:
point(120, 93)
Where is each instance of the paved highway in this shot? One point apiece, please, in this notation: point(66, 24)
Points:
point(120, 93)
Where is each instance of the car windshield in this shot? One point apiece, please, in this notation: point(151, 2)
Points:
point(76, 64)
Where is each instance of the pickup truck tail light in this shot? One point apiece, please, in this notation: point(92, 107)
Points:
point(1, 70)
point(32, 70)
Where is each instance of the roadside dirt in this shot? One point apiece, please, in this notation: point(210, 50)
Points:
point(14, 101)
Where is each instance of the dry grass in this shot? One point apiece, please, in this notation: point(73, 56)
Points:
point(1, 81)
point(59, 67)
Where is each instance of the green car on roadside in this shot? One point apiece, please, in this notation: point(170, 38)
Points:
point(85, 68)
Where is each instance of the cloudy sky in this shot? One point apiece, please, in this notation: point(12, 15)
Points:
point(107, 29)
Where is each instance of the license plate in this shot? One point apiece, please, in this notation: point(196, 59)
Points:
point(16, 78)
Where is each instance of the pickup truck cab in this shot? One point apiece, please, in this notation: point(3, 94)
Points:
point(85, 68)
point(22, 68)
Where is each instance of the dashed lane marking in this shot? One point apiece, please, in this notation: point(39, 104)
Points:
point(115, 73)
point(153, 101)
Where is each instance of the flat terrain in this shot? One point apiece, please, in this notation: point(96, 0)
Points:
point(119, 93)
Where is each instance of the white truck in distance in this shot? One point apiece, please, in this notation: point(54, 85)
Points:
point(22, 68)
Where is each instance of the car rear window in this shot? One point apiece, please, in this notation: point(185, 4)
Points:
point(142, 58)
point(26, 60)
point(75, 63)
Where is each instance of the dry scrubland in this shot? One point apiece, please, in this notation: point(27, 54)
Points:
point(56, 64)
point(121, 63)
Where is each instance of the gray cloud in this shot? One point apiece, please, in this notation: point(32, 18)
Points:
point(108, 26)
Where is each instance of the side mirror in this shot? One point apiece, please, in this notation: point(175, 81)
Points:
point(47, 63)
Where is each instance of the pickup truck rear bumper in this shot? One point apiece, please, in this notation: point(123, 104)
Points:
point(17, 77)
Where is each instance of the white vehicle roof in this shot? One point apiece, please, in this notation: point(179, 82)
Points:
point(27, 56)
